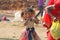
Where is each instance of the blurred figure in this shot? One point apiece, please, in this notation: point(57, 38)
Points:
point(40, 5)
point(52, 12)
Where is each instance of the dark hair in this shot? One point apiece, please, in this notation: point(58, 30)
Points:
point(29, 9)
point(32, 6)
point(26, 11)
point(22, 14)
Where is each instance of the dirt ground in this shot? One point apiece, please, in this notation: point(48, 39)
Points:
point(13, 30)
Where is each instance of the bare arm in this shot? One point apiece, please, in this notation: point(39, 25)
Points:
point(48, 9)
point(26, 22)
point(36, 20)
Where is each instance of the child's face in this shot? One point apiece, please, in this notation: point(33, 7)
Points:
point(30, 14)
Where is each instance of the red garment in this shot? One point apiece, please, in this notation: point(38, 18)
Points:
point(47, 18)
point(51, 2)
point(49, 36)
point(24, 35)
point(56, 12)
point(4, 18)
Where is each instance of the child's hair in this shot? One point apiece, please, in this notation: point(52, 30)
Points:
point(29, 10)
point(22, 14)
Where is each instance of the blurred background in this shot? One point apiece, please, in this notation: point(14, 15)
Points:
point(12, 29)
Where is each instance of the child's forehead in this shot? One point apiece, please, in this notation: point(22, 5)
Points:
point(29, 12)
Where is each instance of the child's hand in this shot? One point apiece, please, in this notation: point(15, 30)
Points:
point(25, 24)
point(36, 21)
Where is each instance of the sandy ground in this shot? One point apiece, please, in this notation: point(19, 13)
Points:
point(13, 30)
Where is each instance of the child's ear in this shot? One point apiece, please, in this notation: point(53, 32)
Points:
point(22, 14)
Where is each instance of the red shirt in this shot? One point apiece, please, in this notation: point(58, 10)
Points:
point(56, 11)
point(51, 2)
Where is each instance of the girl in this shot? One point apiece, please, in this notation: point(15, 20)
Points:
point(30, 19)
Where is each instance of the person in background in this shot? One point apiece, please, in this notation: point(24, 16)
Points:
point(51, 12)
point(40, 5)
